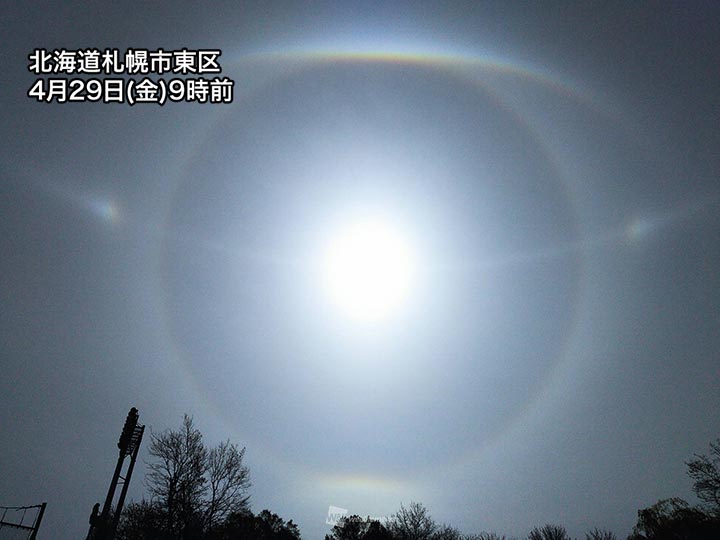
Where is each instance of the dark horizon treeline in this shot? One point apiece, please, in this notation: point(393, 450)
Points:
point(201, 493)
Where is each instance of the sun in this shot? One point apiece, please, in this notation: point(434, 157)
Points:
point(368, 270)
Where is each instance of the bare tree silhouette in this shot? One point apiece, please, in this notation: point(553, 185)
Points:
point(600, 534)
point(193, 489)
point(549, 532)
point(705, 471)
point(412, 523)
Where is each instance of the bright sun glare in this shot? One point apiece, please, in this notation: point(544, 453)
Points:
point(368, 270)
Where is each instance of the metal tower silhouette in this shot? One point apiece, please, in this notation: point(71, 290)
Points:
point(104, 524)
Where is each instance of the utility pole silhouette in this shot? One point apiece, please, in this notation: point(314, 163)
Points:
point(104, 524)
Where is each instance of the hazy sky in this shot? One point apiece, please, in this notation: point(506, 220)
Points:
point(544, 181)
